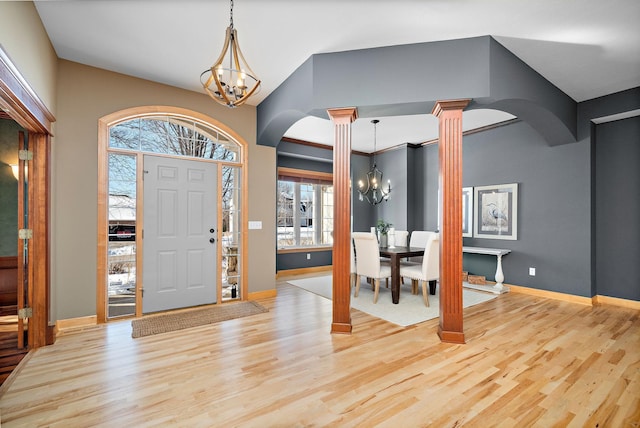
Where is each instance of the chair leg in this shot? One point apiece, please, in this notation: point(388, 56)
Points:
point(377, 290)
point(414, 286)
point(386, 282)
point(357, 286)
point(425, 295)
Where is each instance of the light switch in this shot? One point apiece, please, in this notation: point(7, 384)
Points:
point(255, 225)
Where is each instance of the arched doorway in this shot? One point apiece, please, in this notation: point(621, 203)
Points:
point(141, 151)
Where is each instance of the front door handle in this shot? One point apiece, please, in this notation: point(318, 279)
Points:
point(212, 240)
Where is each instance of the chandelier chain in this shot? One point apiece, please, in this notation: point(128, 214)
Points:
point(231, 16)
point(374, 190)
point(375, 138)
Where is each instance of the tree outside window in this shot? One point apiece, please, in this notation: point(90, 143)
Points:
point(305, 214)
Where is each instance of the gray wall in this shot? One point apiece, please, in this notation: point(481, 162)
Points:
point(416, 173)
point(299, 260)
point(363, 217)
point(617, 208)
point(553, 206)
point(393, 165)
point(404, 166)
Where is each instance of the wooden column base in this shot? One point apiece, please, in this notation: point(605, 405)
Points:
point(341, 328)
point(450, 336)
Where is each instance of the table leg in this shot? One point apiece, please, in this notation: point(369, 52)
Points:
point(499, 275)
point(432, 287)
point(395, 278)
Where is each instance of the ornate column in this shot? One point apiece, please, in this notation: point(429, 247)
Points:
point(342, 119)
point(449, 114)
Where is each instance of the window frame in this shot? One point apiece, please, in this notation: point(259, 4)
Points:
point(308, 177)
point(177, 113)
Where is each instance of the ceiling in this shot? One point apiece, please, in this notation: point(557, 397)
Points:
point(587, 48)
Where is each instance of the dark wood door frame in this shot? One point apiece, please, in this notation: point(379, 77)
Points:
point(22, 104)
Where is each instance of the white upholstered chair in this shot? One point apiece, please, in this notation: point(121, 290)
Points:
point(428, 270)
point(400, 238)
point(419, 238)
point(368, 262)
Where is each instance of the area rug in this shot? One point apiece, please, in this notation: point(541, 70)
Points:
point(410, 309)
point(171, 321)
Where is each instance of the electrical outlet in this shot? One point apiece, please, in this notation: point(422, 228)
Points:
point(308, 256)
point(532, 271)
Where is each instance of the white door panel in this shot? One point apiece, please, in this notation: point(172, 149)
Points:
point(179, 211)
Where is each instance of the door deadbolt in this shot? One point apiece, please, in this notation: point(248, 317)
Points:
point(212, 230)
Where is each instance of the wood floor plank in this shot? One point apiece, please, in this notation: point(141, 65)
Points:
point(528, 361)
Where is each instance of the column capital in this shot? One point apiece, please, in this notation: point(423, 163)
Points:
point(445, 105)
point(343, 114)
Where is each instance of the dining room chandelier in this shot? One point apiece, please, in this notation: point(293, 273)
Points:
point(230, 81)
point(373, 192)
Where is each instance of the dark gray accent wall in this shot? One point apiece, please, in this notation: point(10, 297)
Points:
point(404, 166)
point(431, 185)
point(553, 206)
point(617, 209)
point(8, 188)
point(352, 78)
point(303, 163)
point(416, 173)
point(477, 68)
point(619, 102)
point(362, 214)
point(285, 106)
point(299, 260)
point(304, 151)
point(393, 165)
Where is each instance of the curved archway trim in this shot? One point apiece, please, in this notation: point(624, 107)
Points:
point(104, 123)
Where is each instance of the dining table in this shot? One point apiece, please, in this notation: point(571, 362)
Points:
point(395, 254)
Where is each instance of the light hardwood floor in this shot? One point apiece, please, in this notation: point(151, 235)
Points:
point(528, 361)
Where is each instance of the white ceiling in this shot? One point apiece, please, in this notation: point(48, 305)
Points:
point(587, 48)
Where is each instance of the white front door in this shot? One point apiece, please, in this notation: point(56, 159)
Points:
point(180, 221)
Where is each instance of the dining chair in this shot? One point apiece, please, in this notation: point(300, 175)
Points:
point(400, 238)
point(419, 238)
point(368, 262)
point(428, 270)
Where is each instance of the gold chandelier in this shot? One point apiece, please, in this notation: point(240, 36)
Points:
point(231, 84)
point(374, 192)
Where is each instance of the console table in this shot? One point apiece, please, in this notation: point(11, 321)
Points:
point(498, 252)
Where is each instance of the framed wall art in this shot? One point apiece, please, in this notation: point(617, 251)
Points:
point(496, 211)
point(467, 212)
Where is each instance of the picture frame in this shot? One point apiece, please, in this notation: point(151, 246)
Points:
point(467, 212)
point(496, 211)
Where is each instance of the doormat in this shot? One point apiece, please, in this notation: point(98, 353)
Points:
point(163, 323)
